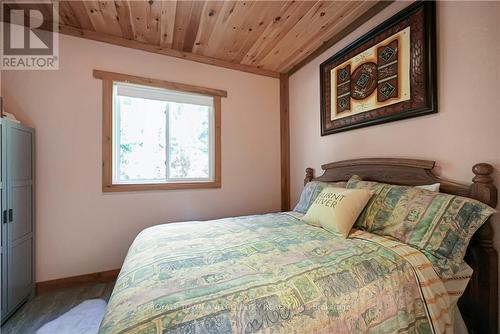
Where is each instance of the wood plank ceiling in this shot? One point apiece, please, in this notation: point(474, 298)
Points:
point(269, 36)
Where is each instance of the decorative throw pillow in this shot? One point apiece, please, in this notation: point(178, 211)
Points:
point(336, 209)
point(311, 191)
point(376, 187)
point(440, 225)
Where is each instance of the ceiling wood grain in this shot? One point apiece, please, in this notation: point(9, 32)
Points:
point(263, 37)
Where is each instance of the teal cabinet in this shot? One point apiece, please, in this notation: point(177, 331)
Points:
point(17, 218)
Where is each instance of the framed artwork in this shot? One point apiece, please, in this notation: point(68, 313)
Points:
point(386, 75)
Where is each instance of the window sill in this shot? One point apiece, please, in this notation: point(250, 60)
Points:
point(159, 186)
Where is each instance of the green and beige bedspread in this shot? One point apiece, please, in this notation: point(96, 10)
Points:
point(273, 274)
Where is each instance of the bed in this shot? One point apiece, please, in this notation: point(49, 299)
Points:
point(275, 274)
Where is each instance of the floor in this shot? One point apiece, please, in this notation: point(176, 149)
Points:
point(48, 306)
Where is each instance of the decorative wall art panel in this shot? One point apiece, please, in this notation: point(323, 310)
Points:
point(386, 75)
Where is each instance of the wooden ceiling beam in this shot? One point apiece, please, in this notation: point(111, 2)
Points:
point(92, 35)
point(377, 8)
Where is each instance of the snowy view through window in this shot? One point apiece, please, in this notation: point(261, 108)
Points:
point(158, 141)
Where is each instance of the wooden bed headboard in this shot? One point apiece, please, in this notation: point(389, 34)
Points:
point(479, 304)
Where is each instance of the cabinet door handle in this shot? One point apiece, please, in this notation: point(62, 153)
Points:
point(4, 216)
point(11, 215)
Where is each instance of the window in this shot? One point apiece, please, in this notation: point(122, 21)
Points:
point(161, 135)
point(156, 137)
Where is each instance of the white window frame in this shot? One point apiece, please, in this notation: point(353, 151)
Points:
point(161, 94)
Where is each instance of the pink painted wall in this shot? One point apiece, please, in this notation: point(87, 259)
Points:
point(81, 230)
point(465, 131)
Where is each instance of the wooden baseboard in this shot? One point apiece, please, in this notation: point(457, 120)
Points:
point(70, 282)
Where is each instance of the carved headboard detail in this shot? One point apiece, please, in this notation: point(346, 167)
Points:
point(479, 304)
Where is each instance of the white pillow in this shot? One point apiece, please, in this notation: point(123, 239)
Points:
point(431, 187)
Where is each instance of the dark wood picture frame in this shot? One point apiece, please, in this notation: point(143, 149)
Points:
point(421, 18)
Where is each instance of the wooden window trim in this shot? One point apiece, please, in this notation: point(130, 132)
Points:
point(107, 131)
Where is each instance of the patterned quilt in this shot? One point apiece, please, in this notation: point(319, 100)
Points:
point(273, 274)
